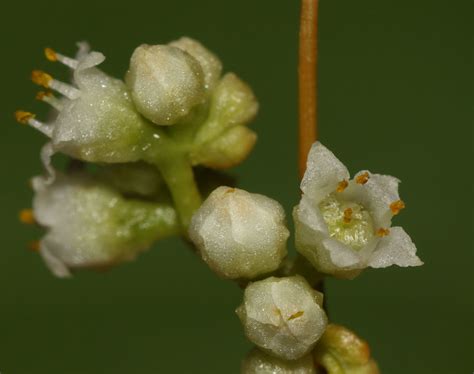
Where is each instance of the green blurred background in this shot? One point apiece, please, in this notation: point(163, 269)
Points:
point(395, 84)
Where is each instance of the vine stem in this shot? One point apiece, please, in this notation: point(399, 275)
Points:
point(307, 79)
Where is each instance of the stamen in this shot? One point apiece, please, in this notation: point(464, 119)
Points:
point(49, 98)
point(397, 206)
point(28, 118)
point(363, 178)
point(347, 215)
point(296, 315)
point(52, 55)
point(34, 246)
point(382, 232)
point(342, 185)
point(23, 117)
point(43, 79)
point(27, 217)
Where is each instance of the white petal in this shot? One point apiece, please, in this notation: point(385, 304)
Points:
point(395, 249)
point(340, 255)
point(323, 173)
point(376, 195)
point(54, 264)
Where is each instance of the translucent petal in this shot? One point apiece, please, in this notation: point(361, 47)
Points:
point(239, 234)
point(259, 362)
point(283, 316)
point(323, 173)
point(54, 264)
point(395, 249)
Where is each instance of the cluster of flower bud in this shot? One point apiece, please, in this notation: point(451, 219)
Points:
point(173, 111)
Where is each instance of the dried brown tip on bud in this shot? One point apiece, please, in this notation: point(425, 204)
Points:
point(41, 78)
point(382, 232)
point(27, 217)
point(363, 178)
point(397, 206)
point(23, 117)
point(342, 186)
point(50, 54)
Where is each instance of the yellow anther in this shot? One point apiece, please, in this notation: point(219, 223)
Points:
point(347, 215)
point(296, 315)
point(342, 186)
point(50, 54)
point(34, 246)
point(397, 206)
point(230, 190)
point(27, 217)
point(23, 117)
point(41, 78)
point(382, 232)
point(42, 94)
point(363, 178)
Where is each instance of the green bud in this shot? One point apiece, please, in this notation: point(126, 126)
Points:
point(227, 150)
point(341, 351)
point(166, 83)
point(259, 362)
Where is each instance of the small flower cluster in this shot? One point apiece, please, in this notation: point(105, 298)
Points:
point(342, 227)
point(146, 134)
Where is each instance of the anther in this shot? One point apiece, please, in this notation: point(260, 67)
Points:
point(363, 178)
point(347, 215)
point(296, 315)
point(41, 78)
point(342, 185)
point(28, 118)
point(49, 98)
point(382, 232)
point(52, 55)
point(27, 217)
point(23, 117)
point(397, 206)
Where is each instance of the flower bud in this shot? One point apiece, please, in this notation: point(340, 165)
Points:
point(240, 234)
point(91, 225)
point(165, 82)
point(341, 351)
point(259, 362)
point(210, 63)
point(283, 316)
point(228, 150)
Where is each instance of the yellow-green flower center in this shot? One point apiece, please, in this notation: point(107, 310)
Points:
point(348, 222)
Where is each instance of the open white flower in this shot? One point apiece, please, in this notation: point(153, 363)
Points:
point(91, 225)
point(240, 234)
point(283, 316)
point(342, 225)
point(95, 118)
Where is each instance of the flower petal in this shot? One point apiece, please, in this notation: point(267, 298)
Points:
point(54, 264)
point(395, 249)
point(323, 173)
point(376, 195)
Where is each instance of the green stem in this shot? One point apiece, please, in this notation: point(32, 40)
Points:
point(178, 175)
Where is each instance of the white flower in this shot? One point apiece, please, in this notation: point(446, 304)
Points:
point(91, 225)
point(166, 83)
point(342, 225)
point(283, 316)
point(239, 234)
point(96, 120)
point(259, 362)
